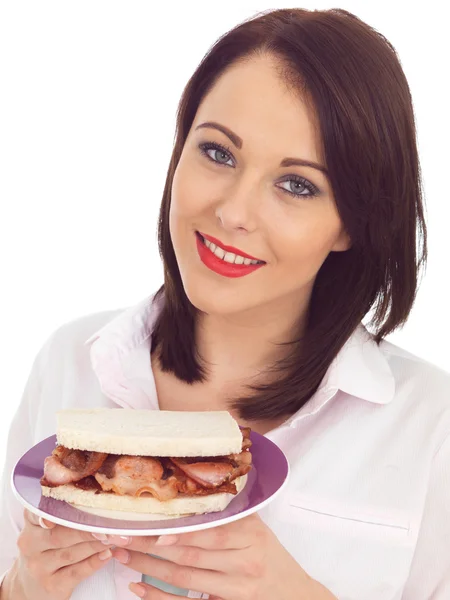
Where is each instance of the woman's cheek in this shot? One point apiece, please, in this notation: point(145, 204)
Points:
point(303, 245)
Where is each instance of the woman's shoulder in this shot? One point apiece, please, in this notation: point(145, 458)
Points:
point(400, 357)
point(70, 338)
point(417, 374)
point(80, 329)
point(123, 323)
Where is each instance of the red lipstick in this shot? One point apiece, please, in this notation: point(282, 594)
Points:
point(218, 265)
point(232, 249)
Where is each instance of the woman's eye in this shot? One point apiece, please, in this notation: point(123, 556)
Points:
point(297, 188)
point(216, 153)
point(219, 156)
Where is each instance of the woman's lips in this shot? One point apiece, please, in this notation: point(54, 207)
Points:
point(232, 249)
point(220, 266)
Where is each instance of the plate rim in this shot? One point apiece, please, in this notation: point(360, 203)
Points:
point(153, 531)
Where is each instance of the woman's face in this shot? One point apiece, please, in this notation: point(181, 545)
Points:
point(244, 197)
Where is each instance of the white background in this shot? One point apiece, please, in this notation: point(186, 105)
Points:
point(88, 96)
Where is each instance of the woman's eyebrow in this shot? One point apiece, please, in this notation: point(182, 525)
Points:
point(237, 141)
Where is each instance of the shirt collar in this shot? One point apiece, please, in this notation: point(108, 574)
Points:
point(120, 357)
point(131, 327)
point(360, 369)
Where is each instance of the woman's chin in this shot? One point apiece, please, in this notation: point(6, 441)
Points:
point(211, 303)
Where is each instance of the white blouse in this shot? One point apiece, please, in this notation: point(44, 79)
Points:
point(367, 508)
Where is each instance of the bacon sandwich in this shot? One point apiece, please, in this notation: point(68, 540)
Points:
point(147, 461)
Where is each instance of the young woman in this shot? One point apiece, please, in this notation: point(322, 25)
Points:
point(292, 209)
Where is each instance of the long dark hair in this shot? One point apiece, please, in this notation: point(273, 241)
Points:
point(355, 81)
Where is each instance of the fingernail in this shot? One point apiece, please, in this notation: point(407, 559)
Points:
point(138, 590)
point(105, 554)
point(120, 540)
point(166, 540)
point(43, 524)
point(101, 537)
point(123, 556)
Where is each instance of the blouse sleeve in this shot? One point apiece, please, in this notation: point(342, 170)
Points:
point(429, 578)
point(21, 438)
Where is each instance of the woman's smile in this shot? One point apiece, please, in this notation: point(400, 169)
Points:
point(225, 260)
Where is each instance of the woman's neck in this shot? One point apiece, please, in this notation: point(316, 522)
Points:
point(245, 344)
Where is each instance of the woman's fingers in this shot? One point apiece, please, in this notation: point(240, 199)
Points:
point(53, 559)
point(190, 578)
point(51, 572)
point(144, 590)
point(234, 536)
point(58, 558)
point(71, 575)
point(35, 538)
point(225, 537)
point(63, 537)
point(191, 556)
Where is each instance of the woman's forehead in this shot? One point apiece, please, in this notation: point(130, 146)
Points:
point(251, 100)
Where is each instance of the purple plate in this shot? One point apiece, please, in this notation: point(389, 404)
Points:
point(265, 481)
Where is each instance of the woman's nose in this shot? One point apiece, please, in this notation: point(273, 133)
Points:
point(240, 209)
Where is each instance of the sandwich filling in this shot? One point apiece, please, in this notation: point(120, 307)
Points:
point(163, 478)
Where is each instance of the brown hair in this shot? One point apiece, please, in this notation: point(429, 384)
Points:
point(360, 94)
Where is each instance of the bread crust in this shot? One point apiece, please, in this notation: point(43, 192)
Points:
point(149, 432)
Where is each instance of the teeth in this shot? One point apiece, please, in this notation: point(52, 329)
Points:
point(219, 252)
point(229, 257)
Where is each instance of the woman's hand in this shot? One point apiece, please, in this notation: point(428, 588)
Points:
point(240, 561)
point(52, 561)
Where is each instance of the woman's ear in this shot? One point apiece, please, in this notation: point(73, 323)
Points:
point(342, 243)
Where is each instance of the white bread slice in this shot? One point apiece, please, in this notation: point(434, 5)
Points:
point(149, 432)
point(143, 504)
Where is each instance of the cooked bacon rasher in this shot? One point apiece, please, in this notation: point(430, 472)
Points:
point(162, 477)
